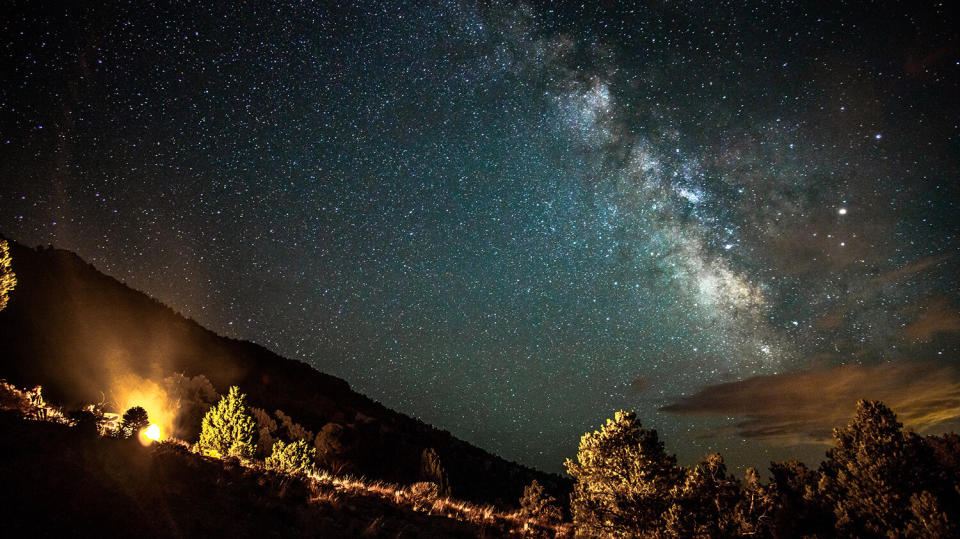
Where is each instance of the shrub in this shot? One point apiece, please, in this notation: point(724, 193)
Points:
point(266, 428)
point(291, 458)
point(537, 504)
point(228, 429)
point(87, 421)
point(423, 494)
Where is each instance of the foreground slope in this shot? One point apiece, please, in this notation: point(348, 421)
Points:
point(60, 481)
point(79, 333)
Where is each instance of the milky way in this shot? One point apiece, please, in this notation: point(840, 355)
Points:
point(510, 220)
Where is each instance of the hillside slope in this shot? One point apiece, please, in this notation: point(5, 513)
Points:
point(81, 334)
point(58, 481)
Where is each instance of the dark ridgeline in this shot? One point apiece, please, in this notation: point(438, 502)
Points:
point(74, 330)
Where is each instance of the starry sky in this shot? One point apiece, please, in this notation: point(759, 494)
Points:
point(511, 219)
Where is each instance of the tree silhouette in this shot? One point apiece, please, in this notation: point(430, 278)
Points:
point(872, 472)
point(705, 504)
point(133, 421)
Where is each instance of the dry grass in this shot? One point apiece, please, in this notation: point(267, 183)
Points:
point(328, 489)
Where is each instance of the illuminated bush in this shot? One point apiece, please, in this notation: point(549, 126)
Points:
point(423, 494)
point(291, 458)
point(228, 429)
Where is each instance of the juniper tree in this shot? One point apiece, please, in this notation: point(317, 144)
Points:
point(228, 428)
point(872, 472)
point(624, 479)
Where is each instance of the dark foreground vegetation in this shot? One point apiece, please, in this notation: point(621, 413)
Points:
point(877, 481)
point(62, 477)
point(245, 471)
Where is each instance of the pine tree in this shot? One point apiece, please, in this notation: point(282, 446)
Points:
point(871, 473)
point(133, 421)
point(705, 504)
point(228, 429)
point(624, 478)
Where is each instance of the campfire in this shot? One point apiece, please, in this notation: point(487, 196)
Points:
point(152, 432)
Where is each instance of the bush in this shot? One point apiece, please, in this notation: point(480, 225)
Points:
point(291, 458)
point(423, 494)
point(537, 504)
point(228, 429)
point(87, 421)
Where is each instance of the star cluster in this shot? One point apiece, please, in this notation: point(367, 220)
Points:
point(508, 220)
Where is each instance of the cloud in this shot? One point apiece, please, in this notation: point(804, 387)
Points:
point(803, 407)
point(939, 316)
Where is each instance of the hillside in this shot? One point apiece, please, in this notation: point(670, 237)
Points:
point(60, 481)
point(87, 338)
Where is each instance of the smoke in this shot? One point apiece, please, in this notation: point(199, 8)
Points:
point(177, 403)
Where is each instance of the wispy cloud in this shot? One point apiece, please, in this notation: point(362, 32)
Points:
point(803, 407)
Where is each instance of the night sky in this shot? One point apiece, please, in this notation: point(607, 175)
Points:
point(510, 220)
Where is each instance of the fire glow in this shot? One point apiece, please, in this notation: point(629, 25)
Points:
point(150, 435)
point(153, 432)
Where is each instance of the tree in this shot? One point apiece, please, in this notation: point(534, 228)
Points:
point(624, 478)
point(431, 470)
point(87, 420)
point(536, 503)
point(294, 457)
point(797, 504)
point(871, 473)
point(336, 446)
point(228, 429)
point(704, 505)
point(8, 280)
point(133, 421)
